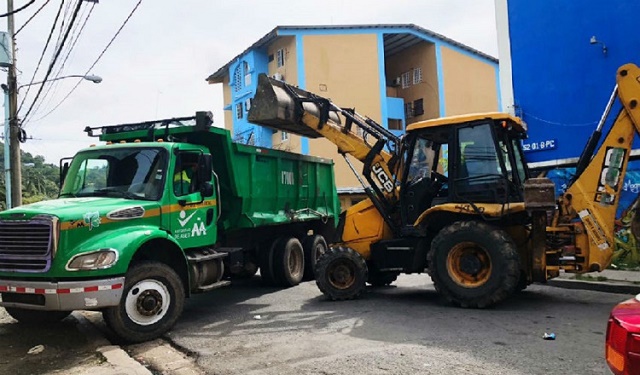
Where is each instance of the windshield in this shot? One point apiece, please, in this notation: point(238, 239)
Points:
point(131, 173)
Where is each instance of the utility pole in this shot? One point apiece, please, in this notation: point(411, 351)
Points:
point(14, 125)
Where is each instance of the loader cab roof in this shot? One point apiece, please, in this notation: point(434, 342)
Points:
point(515, 122)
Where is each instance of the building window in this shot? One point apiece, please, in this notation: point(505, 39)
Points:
point(408, 110)
point(395, 124)
point(239, 111)
point(406, 79)
point(237, 78)
point(280, 57)
point(247, 104)
point(417, 75)
point(418, 107)
point(284, 136)
point(247, 73)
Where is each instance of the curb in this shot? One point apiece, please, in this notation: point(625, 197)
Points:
point(606, 287)
point(117, 360)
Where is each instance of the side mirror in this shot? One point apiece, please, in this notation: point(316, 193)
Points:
point(205, 168)
point(206, 189)
point(64, 169)
point(205, 172)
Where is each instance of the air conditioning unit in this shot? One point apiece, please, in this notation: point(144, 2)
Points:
point(278, 76)
point(396, 81)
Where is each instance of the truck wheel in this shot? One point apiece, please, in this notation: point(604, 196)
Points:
point(341, 274)
point(152, 301)
point(314, 247)
point(378, 278)
point(288, 262)
point(36, 316)
point(265, 258)
point(473, 264)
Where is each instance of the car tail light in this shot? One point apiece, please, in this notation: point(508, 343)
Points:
point(622, 350)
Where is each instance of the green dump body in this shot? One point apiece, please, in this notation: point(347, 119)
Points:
point(258, 186)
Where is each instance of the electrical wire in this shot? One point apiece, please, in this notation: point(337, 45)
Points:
point(74, 40)
point(25, 6)
point(55, 57)
point(32, 17)
point(46, 46)
point(95, 62)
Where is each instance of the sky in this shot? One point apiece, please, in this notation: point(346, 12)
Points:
point(156, 67)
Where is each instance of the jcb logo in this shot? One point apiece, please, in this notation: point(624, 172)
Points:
point(382, 176)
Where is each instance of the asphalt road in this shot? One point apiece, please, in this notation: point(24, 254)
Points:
point(403, 329)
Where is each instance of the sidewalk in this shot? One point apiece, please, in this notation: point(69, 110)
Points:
point(73, 347)
point(609, 281)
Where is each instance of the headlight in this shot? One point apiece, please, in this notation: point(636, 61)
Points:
point(95, 260)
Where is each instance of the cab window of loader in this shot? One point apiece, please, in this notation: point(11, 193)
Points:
point(421, 162)
point(479, 157)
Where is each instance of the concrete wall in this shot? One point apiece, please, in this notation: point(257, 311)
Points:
point(290, 73)
point(469, 84)
point(344, 68)
point(422, 55)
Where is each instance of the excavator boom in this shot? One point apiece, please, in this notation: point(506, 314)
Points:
point(287, 108)
point(595, 192)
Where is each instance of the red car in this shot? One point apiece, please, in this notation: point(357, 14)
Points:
point(623, 338)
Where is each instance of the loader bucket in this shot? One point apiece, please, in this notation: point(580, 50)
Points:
point(275, 103)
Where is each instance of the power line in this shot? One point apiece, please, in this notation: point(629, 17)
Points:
point(95, 62)
point(55, 57)
point(19, 9)
point(32, 17)
point(74, 40)
point(46, 45)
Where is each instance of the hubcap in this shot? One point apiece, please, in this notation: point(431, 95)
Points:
point(469, 265)
point(147, 302)
point(341, 274)
point(295, 263)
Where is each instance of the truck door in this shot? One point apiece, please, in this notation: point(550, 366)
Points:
point(192, 213)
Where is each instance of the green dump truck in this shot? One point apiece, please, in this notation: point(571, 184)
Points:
point(164, 209)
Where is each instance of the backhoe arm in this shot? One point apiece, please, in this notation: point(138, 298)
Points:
point(595, 192)
point(284, 107)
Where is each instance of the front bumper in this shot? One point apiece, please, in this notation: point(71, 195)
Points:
point(61, 296)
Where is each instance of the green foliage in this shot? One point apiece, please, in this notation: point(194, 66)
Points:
point(39, 179)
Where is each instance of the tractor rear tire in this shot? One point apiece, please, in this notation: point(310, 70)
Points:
point(36, 317)
point(473, 264)
point(341, 274)
point(314, 247)
point(288, 262)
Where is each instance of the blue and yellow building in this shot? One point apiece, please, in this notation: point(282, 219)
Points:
point(394, 74)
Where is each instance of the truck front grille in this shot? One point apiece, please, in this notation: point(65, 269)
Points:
point(26, 246)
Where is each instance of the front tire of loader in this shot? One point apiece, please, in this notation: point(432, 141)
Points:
point(314, 247)
point(151, 303)
point(474, 264)
point(36, 316)
point(341, 274)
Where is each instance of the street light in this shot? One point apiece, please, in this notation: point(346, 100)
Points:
point(90, 77)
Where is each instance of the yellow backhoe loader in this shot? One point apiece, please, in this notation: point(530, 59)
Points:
point(454, 197)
